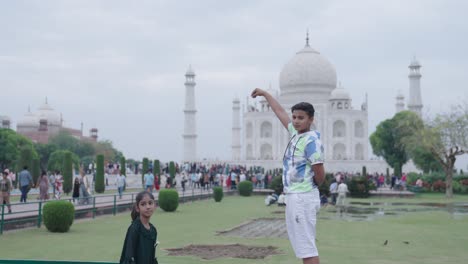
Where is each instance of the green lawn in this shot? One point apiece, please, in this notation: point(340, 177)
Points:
point(434, 237)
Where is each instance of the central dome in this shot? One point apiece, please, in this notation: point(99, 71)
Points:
point(46, 112)
point(308, 72)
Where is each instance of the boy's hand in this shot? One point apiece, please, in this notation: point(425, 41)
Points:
point(258, 92)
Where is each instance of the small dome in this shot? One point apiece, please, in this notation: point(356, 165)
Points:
point(29, 120)
point(339, 93)
point(46, 112)
point(308, 71)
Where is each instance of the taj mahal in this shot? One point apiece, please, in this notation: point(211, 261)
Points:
point(258, 138)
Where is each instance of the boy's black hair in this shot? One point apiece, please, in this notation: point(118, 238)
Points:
point(304, 106)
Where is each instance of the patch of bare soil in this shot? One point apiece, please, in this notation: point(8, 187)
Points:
point(224, 251)
point(261, 227)
point(278, 212)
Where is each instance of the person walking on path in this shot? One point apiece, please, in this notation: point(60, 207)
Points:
point(58, 185)
point(76, 190)
point(25, 182)
point(84, 189)
point(43, 187)
point(303, 172)
point(334, 191)
point(149, 181)
point(342, 191)
point(120, 184)
point(5, 189)
point(141, 238)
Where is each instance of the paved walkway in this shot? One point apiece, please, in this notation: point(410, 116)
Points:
point(21, 210)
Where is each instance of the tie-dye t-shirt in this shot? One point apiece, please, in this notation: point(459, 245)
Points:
point(303, 151)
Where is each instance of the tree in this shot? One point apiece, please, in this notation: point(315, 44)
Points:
point(56, 160)
point(99, 184)
point(35, 170)
point(107, 149)
point(10, 145)
point(27, 154)
point(65, 141)
point(172, 170)
point(389, 139)
point(67, 172)
point(44, 151)
point(424, 159)
point(446, 137)
point(123, 166)
point(157, 170)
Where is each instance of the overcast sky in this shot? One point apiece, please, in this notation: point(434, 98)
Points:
point(119, 65)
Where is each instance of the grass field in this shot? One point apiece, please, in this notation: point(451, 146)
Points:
point(434, 237)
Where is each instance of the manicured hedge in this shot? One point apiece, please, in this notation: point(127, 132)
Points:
point(245, 188)
point(218, 194)
point(359, 187)
point(277, 184)
point(99, 184)
point(67, 172)
point(168, 200)
point(58, 216)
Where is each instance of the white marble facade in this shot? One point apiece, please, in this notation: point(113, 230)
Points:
point(309, 77)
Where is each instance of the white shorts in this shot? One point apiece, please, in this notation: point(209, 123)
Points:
point(301, 219)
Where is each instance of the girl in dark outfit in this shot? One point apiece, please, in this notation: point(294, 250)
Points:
point(76, 190)
point(140, 242)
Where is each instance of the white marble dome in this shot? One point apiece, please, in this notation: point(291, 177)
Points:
point(339, 93)
point(46, 112)
point(29, 120)
point(308, 72)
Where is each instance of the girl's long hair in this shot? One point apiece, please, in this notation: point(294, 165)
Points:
point(138, 198)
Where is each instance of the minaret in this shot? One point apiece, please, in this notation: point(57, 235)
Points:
point(236, 129)
point(400, 102)
point(190, 125)
point(415, 102)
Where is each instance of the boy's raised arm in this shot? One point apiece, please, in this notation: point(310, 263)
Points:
point(277, 108)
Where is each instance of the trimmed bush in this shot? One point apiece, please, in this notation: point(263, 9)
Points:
point(359, 187)
point(245, 188)
point(36, 170)
point(58, 216)
point(144, 169)
point(168, 200)
point(99, 184)
point(277, 184)
point(218, 194)
point(157, 170)
point(67, 172)
point(123, 166)
point(172, 169)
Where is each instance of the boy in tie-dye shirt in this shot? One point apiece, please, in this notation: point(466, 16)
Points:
point(302, 173)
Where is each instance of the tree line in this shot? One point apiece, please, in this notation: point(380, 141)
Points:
point(432, 144)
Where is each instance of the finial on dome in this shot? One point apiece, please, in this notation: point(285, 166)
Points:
point(46, 100)
point(29, 109)
point(307, 38)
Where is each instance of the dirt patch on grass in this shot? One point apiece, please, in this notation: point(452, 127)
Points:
point(224, 251)
point(261, 227)
point(278, 212)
